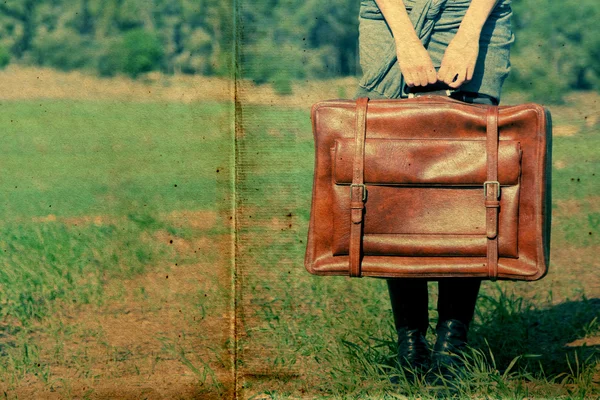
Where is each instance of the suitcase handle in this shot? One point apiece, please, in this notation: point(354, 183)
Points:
point(445, 93)
point(437, 88)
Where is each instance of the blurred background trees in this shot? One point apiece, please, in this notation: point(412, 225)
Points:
point(119, 36)
point(557, 44)
point(557, 47)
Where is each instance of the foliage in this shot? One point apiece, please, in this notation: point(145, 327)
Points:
point(274, 41)
point(62, 50)
point(289, 36)
point(4, 57)
point(136, 52)
point(178, 35)
point(556, 49)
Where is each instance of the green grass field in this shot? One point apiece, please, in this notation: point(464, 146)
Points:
point(117, 266)
point(107, 213)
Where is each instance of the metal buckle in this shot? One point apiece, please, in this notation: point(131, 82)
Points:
point(485, 188)
point(364, 196)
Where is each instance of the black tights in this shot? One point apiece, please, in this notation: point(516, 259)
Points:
point(456, 300)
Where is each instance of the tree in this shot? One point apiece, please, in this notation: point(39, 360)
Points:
point(85, 22)
point(137, 52)
point(298, 39)
point(24, 14)
point(556, 49)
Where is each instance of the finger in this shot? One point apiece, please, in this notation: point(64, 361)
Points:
point(441, 74)
point(458, 80)
point(431, 75)
point(427, 74)
point(410, 81)
point(449, 75)
point(414, 74)
point(424, 75)
point(469, 74)
point(448, 78)
point(421, 79)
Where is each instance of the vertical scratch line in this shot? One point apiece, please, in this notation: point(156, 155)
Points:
point(237, 126)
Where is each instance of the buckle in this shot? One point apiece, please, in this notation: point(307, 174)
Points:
point(364, 188)
point(485, 188)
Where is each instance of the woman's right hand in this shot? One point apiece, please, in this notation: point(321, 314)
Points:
point(415, 63)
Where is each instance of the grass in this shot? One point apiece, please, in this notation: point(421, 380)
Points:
point(116, 266)
point(123, 164)
point(105, 158)
point(104, 203)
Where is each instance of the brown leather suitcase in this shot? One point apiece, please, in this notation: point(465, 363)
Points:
point(430, 187)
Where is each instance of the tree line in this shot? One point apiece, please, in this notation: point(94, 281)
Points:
point(277, 41)
point(119, 36)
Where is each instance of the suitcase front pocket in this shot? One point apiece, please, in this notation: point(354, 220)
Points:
point(425, 197)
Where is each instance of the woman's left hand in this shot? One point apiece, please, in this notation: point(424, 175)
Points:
point(459, 60)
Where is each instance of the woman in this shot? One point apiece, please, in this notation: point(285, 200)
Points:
point(415, 45)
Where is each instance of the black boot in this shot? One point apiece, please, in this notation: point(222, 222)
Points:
point(410, 307)
point(413, 351)
point(456, 305)
point(447, 360)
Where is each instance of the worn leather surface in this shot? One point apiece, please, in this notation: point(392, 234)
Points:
point(424, 215)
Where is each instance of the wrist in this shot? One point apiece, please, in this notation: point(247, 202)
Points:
point(469, 33)
point(407, 40)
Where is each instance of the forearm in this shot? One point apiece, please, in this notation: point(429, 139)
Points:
point(460, 58)
point(396, 16)
point(475, 17)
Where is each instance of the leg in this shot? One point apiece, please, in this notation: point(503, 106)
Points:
point(409, 299)
point(457, 298)
point(456, 306)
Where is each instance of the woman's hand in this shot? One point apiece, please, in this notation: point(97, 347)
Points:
point(459, 60)
point(415, 63)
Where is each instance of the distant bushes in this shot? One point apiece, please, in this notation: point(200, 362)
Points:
point(128, 37)
point(4, 57)
point(557, 48)
point(263, 65)
point(199, 57)
point(136, 52)
point(64, 51)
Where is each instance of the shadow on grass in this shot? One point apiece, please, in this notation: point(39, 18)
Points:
point(550, 340)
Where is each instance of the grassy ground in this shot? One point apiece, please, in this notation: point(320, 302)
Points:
point(116, 232)
point(305, 337)
point(116, 276)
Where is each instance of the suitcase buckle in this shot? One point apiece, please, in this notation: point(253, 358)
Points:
point(364, 190)
point(485, 188)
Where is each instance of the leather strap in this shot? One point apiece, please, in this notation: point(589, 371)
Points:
point(492, 191)
point(358, 192)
